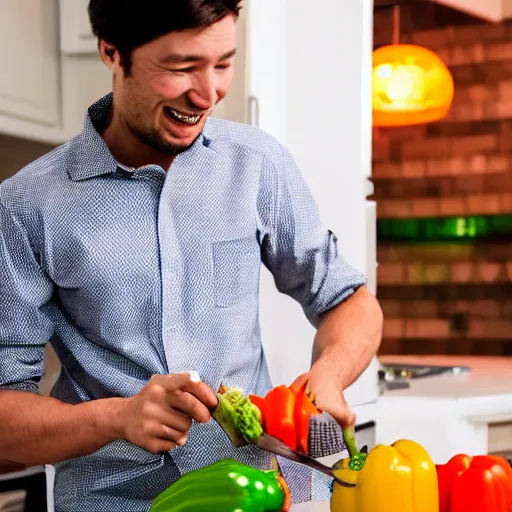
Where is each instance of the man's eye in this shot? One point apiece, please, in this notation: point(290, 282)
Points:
point(222, 66)
point(183, 70)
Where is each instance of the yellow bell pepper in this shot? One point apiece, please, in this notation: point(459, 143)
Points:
point(399, 477)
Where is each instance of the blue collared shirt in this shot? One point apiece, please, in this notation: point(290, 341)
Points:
point(130, 273)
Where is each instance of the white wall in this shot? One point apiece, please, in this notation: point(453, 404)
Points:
point(234, 105)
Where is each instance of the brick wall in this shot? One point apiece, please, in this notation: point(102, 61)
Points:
point(455, 296)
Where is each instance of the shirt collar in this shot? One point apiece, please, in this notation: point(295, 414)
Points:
point(93, 157)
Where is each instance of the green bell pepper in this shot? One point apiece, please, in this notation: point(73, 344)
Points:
point(226, 486)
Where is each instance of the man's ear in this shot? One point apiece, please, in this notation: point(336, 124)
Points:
point(109, 54)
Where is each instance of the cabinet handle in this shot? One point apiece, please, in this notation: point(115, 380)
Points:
point(254, 111)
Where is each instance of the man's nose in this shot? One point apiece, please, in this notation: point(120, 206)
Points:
point(204, 92)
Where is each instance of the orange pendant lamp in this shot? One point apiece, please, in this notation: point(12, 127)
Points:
point(411, 85)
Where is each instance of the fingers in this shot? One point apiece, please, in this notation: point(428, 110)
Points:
point(158, 446)
point(158, 437)
point(177, 420)
point(327, 396)
point(299, 382)
point(164, 432)
point(160, 416)
point(173, 418)
point(187, 403)
point(337, 408)
point(184, 382)
point(346, 419)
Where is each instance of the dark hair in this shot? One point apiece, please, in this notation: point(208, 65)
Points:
point(128, 24)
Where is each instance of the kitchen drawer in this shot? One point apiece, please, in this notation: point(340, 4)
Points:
point(500, 437)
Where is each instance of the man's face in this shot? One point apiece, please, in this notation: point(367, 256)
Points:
point(174, 84)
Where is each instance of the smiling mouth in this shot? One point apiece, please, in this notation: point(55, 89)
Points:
point(181, 117)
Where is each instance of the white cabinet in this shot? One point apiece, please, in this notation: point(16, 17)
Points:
point(45, 86)
point(29, 61)
point(75, 30)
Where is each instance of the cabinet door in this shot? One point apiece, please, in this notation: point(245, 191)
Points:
point(29, 71)
point(75, 29)
point(267, 65)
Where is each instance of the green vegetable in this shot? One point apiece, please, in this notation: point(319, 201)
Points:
point(357, 458)
point(226, 486)
point(238, 416)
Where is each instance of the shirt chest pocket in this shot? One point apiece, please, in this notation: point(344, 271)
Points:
point(236, 270)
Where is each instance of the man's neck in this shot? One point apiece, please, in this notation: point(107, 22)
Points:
point(127, 149)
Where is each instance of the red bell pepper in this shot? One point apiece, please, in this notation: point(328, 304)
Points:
point(286, 412)
point(475, 484)
point(259, 402)
point(304, 408)
point(279, 418)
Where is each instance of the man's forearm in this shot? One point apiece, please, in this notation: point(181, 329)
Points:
point(36, 429)
point(349, 337)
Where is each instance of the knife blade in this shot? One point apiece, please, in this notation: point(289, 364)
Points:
point(272, 445)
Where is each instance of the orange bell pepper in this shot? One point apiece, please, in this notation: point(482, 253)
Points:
point(481, 483)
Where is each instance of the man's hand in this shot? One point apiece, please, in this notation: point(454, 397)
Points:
point(347, 339)
point(326, 392)
point(159, 417)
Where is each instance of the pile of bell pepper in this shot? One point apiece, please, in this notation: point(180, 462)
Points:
point(403, 477)
point(399, 477)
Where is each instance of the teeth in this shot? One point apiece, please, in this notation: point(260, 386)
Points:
point(183, 117)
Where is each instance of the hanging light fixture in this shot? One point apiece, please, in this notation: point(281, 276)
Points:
point(411, 84)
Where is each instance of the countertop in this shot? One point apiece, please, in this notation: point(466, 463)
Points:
point(466, 413)
point(483, 394)
point(312, 506)
point(489, 376)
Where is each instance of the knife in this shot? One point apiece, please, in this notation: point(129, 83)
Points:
point(273, 445)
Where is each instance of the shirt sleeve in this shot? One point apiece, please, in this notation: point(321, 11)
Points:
point(24, 292)
point(300, 252)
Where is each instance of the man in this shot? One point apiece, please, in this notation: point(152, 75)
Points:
point(135, 249)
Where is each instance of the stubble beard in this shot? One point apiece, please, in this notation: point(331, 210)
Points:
point(153, 140)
